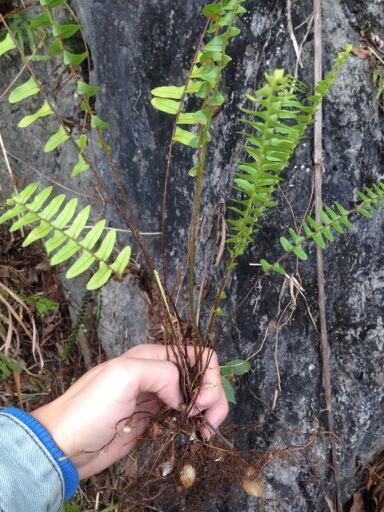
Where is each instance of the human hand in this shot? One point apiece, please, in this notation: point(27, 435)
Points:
point(92, 414)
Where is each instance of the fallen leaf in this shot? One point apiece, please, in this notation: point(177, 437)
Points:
point(360, 52)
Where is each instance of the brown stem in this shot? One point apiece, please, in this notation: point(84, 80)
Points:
point(318, 181)
point(170, 154)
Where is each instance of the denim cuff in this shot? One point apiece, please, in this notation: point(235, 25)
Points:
point(67, 468)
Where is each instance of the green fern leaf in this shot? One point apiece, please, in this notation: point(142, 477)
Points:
point(82, 264)
point(166, 105)
point(16, 210)
point(65, 31)
point(186, 137)
point(107, 246)
point(56, 140)
point(81, 164)
point(199, 117)
point(80, 167)
point(96, 122)
point(52, 3)
point(67, 231)
point(74, 59)
point(43, 111)
point(175, 92)
point(100, 278)
point(41, 21)
point(55, 48)
point(6, 44)
point(122, 260)
point(24, 91)
point(85, 89)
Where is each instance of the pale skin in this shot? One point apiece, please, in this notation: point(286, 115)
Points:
point(93, 412)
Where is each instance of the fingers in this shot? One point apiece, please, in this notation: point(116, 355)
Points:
point(211, 400)
point(158, 377)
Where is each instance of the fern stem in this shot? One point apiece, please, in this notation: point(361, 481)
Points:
point(195, 220)
point(201, 171)
point(170, 155)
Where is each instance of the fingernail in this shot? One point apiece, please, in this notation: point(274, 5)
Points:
point(205, 434)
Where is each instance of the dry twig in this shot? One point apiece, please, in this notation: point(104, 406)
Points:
point(318, 174)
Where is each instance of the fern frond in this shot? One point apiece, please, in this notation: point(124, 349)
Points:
point(204, 78)
point(58, 34)
point(280, 122)
point(58, 218)
point(334, 220)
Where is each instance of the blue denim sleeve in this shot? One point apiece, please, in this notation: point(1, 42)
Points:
point(35, 475)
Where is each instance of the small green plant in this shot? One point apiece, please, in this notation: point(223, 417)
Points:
point(71, 507)
point(78, 325)
point(8, 367)
point(229, 372)
point(43, 305)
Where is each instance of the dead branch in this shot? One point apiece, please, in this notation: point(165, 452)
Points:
point(318, 181)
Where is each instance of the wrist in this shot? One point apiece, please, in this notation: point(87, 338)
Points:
point(52, 417)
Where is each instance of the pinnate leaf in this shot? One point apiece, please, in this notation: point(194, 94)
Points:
point(20, 93)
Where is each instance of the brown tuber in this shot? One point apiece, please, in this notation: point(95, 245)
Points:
point(187, 476)
point(252, 483)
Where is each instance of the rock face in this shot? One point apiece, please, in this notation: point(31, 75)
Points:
point(145, 44)
point(141, 44)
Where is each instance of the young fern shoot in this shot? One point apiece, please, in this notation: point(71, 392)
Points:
point(334, 219)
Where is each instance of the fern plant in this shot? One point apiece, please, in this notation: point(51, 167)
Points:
point(281, 123)
point(275, 126)
point(203, 81)
point(57, 217)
